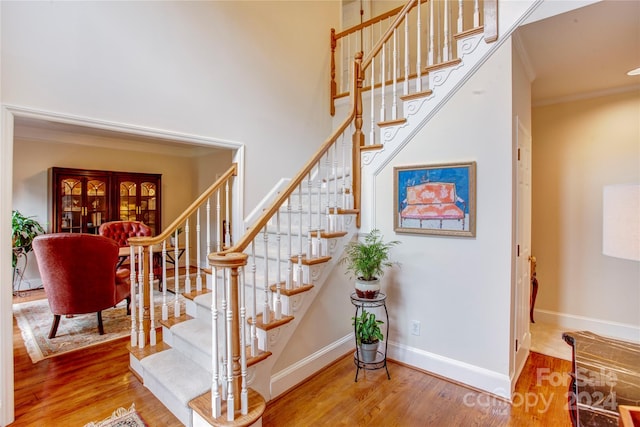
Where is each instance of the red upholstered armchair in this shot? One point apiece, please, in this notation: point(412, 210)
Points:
point(79, 275)
point(120, 231)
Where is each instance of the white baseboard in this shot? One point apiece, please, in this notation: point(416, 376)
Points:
point(611, 329)
point(471, 375)
point(301, 370)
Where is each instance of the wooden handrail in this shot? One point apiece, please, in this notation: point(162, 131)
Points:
point(253, 231)
point(171, 228)
point(371, 21)
point(387, 35)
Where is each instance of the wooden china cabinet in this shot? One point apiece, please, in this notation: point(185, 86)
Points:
point(83, 199)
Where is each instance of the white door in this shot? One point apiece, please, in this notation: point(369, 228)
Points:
point(522, 335)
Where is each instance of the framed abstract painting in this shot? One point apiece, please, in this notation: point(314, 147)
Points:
point(435, 199)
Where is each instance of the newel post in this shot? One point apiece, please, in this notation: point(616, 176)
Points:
point(358, 136)
point(334, 90)
point(232, 262)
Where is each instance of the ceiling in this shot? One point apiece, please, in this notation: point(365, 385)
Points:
point(30, 129)
point(587, 50)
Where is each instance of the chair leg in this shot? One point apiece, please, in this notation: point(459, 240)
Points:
point(128, 306)
point(100, 327)
point(54, 326)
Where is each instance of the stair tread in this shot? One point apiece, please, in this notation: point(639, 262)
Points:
point(290, 292)
point(181, 376)
point(171, 321)
point(273, 324)
point(257, 405)
point(392, 122)
point(193, 294)
point(310, 261)
point(445, 64)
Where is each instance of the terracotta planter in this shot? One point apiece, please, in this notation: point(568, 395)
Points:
point(367, 289)
point(368, 352)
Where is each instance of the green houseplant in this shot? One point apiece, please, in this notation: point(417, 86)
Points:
point(23, 230)
point(366, 260)
point(368, 335)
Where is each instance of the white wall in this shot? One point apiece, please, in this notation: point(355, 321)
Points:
point(250, 72)
point(459, 288)
point(579, 147)
point(254, 72)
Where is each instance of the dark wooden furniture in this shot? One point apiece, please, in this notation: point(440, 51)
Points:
point(83, 199)
point(605, 375)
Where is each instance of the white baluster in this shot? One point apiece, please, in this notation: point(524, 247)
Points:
point(163, 282)
point(394, 103)
point(254, 332)
point(419, 50)
point(289, 284)
point(176, 276)
point(299, 272)
point(229, 333)
point(460, 17)
point(218, 222)
point(406, 55)
point(266, 309)
point(208, 210)
point(141, 332)
point(216, 403)
point(430, 58)
point(198, 255)
point(445, 45)
point(228, 214)
point(187, 281)
point(319, 215)
point(277, 305)
point(382, 84)
point(476, 14)
point(223, 338)
point(244, 394)
point(134, 293)
point(372, 132)
point(310, 216)
point(152, 308)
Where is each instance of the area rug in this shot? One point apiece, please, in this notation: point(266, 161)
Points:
point(34, 320)
point(121, 417)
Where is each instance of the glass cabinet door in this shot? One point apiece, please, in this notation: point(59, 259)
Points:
point(96, 211)
point(148, 203)
point(70, 218)
point(128, 207)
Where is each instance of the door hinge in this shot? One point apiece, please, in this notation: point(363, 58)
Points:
point(516, 345)
point(518, 154)
point(517, 250)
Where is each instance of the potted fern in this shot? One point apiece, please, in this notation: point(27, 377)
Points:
point(23, 230)
point(368, 335)
point(366, 260)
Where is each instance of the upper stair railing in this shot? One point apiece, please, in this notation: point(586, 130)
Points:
point(400, 54)
point(250, 276)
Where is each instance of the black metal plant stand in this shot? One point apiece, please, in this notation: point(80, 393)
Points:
point(381, 357)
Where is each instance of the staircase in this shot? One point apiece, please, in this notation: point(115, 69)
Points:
point(242, 308)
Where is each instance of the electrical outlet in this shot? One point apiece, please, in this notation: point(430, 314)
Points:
point(415, 327)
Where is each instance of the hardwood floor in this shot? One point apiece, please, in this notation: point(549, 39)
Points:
point(87, 385)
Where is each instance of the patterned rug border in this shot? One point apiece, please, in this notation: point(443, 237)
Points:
point(30, 337)
point(121, 417)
